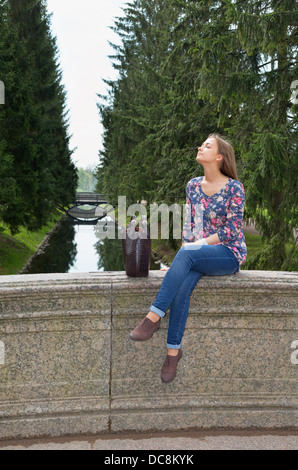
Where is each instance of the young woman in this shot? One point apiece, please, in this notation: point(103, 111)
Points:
point(213, 243)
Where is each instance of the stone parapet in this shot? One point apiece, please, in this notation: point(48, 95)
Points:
point(68, 366)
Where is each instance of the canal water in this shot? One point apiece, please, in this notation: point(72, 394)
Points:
point(78, 249)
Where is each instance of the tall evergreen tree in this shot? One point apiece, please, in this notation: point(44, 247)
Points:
point(248, 53)
point(8, 185)
point(35, 122)
point(138, 101)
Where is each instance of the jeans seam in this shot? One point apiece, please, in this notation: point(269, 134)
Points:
point(182, 316)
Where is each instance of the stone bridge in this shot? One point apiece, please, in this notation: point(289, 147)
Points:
point(85, 208)
point(67, 365)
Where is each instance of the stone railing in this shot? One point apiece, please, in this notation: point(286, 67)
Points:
point(68, 366)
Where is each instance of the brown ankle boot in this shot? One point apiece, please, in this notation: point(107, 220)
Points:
point(144, 330)
point(168, 371)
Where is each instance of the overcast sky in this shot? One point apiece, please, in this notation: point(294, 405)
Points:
point(82, 31)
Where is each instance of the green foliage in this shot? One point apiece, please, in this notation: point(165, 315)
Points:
point(188, 68)
point(87, 180)
point(37, 173)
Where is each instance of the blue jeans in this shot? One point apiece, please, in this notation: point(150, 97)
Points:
point(186, 270)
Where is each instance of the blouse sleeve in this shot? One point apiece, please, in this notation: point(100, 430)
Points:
point(187, 232)
point(230, 231)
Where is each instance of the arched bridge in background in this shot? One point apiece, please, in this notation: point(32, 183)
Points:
point(88, 215)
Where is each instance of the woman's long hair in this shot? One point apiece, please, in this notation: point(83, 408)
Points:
point(228, 163)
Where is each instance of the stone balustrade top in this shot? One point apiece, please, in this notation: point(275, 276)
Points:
point(243, 278)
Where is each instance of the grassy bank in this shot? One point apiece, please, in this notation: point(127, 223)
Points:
point(15, 250)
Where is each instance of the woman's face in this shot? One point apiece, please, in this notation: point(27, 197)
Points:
point(208, 152)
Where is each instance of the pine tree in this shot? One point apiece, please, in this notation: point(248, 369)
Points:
point(137, 103)
point(270, 154)
point(34, 125)
point(10, 192)
point(248, 54)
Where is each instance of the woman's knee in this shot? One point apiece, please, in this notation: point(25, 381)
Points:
point(184, 249)
point(183, 253)
point(193, 251)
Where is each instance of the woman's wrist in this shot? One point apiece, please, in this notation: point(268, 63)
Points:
point(202, 241)
point(212, 239)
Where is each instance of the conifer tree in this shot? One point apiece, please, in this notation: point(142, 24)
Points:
point(137, 103)
point(34, 120)
point(248, 51)
point(7, 183)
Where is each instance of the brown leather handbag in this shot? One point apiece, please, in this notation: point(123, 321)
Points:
point(136, 248)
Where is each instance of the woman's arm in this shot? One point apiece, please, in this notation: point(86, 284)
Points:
point(212, 240)
point(230, 231)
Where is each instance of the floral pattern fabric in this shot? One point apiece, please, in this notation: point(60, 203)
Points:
point(221, 213)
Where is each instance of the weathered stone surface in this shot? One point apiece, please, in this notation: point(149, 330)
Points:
point(56, 334)
point(236, 368)
point(69, 366)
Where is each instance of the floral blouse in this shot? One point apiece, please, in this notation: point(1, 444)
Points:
point(221, 213)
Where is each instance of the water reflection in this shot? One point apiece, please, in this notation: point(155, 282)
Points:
point(109, 255)
point(77, 248)
point(60, 253)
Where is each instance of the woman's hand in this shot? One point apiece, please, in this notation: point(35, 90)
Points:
point(211, 240)
point(202, 241)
